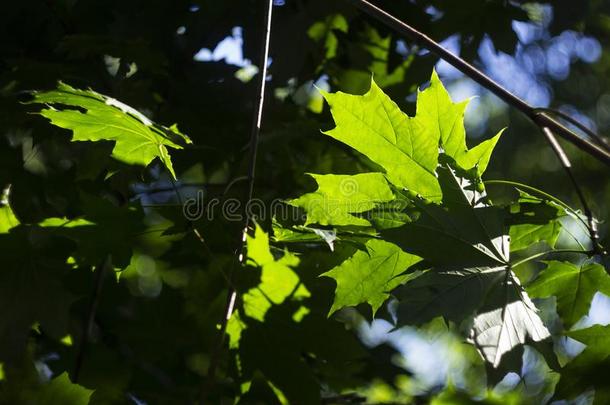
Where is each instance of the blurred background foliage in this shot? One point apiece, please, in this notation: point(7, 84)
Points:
point(191, 63)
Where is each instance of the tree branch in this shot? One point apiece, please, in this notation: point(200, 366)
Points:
point(601, 141)
point(540, 118)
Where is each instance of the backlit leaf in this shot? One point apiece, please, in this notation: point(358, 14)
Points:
point(340, 196)
point(278, 280)
point(137, 139)
point(369, 276)
point(373, 125)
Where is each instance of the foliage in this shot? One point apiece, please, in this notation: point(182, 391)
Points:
point(113, 290)
point(470, 231)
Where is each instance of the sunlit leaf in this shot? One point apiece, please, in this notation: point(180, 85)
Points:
point(374, 125)
point(340, 196)
point(278, 279)
point(368, 276)
point(7, 219)
point(137, 139)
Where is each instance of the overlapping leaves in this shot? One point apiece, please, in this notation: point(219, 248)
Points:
point(432, 210)
point(588, 370)
point(278, 297)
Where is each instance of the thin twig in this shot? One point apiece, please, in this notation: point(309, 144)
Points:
point(569, 210)
point(601, 141)
point(253, 147)
point(88, 324)
point(567, 166)
point(537, 255)
point(541, 119)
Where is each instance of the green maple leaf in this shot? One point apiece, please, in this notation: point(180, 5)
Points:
point(278, 280)
point(407, 148)
point(448, 221)
point(573, 286)
point(340, 196)
point(137, 139)
point(373, 125)
point(370, 276)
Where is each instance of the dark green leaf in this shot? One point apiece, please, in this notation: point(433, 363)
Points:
point(573, 286)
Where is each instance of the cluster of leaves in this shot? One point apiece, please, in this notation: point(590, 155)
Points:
point(430, 238)
point(110, 295)
point(49, 283)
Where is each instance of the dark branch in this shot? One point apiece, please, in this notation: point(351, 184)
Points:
point(542, 119)
point(601, 141)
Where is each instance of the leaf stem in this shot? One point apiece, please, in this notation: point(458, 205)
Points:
point(532, 189)
point(537, 255)
point(589, 225)
point(541, 194)
point(567, 166)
